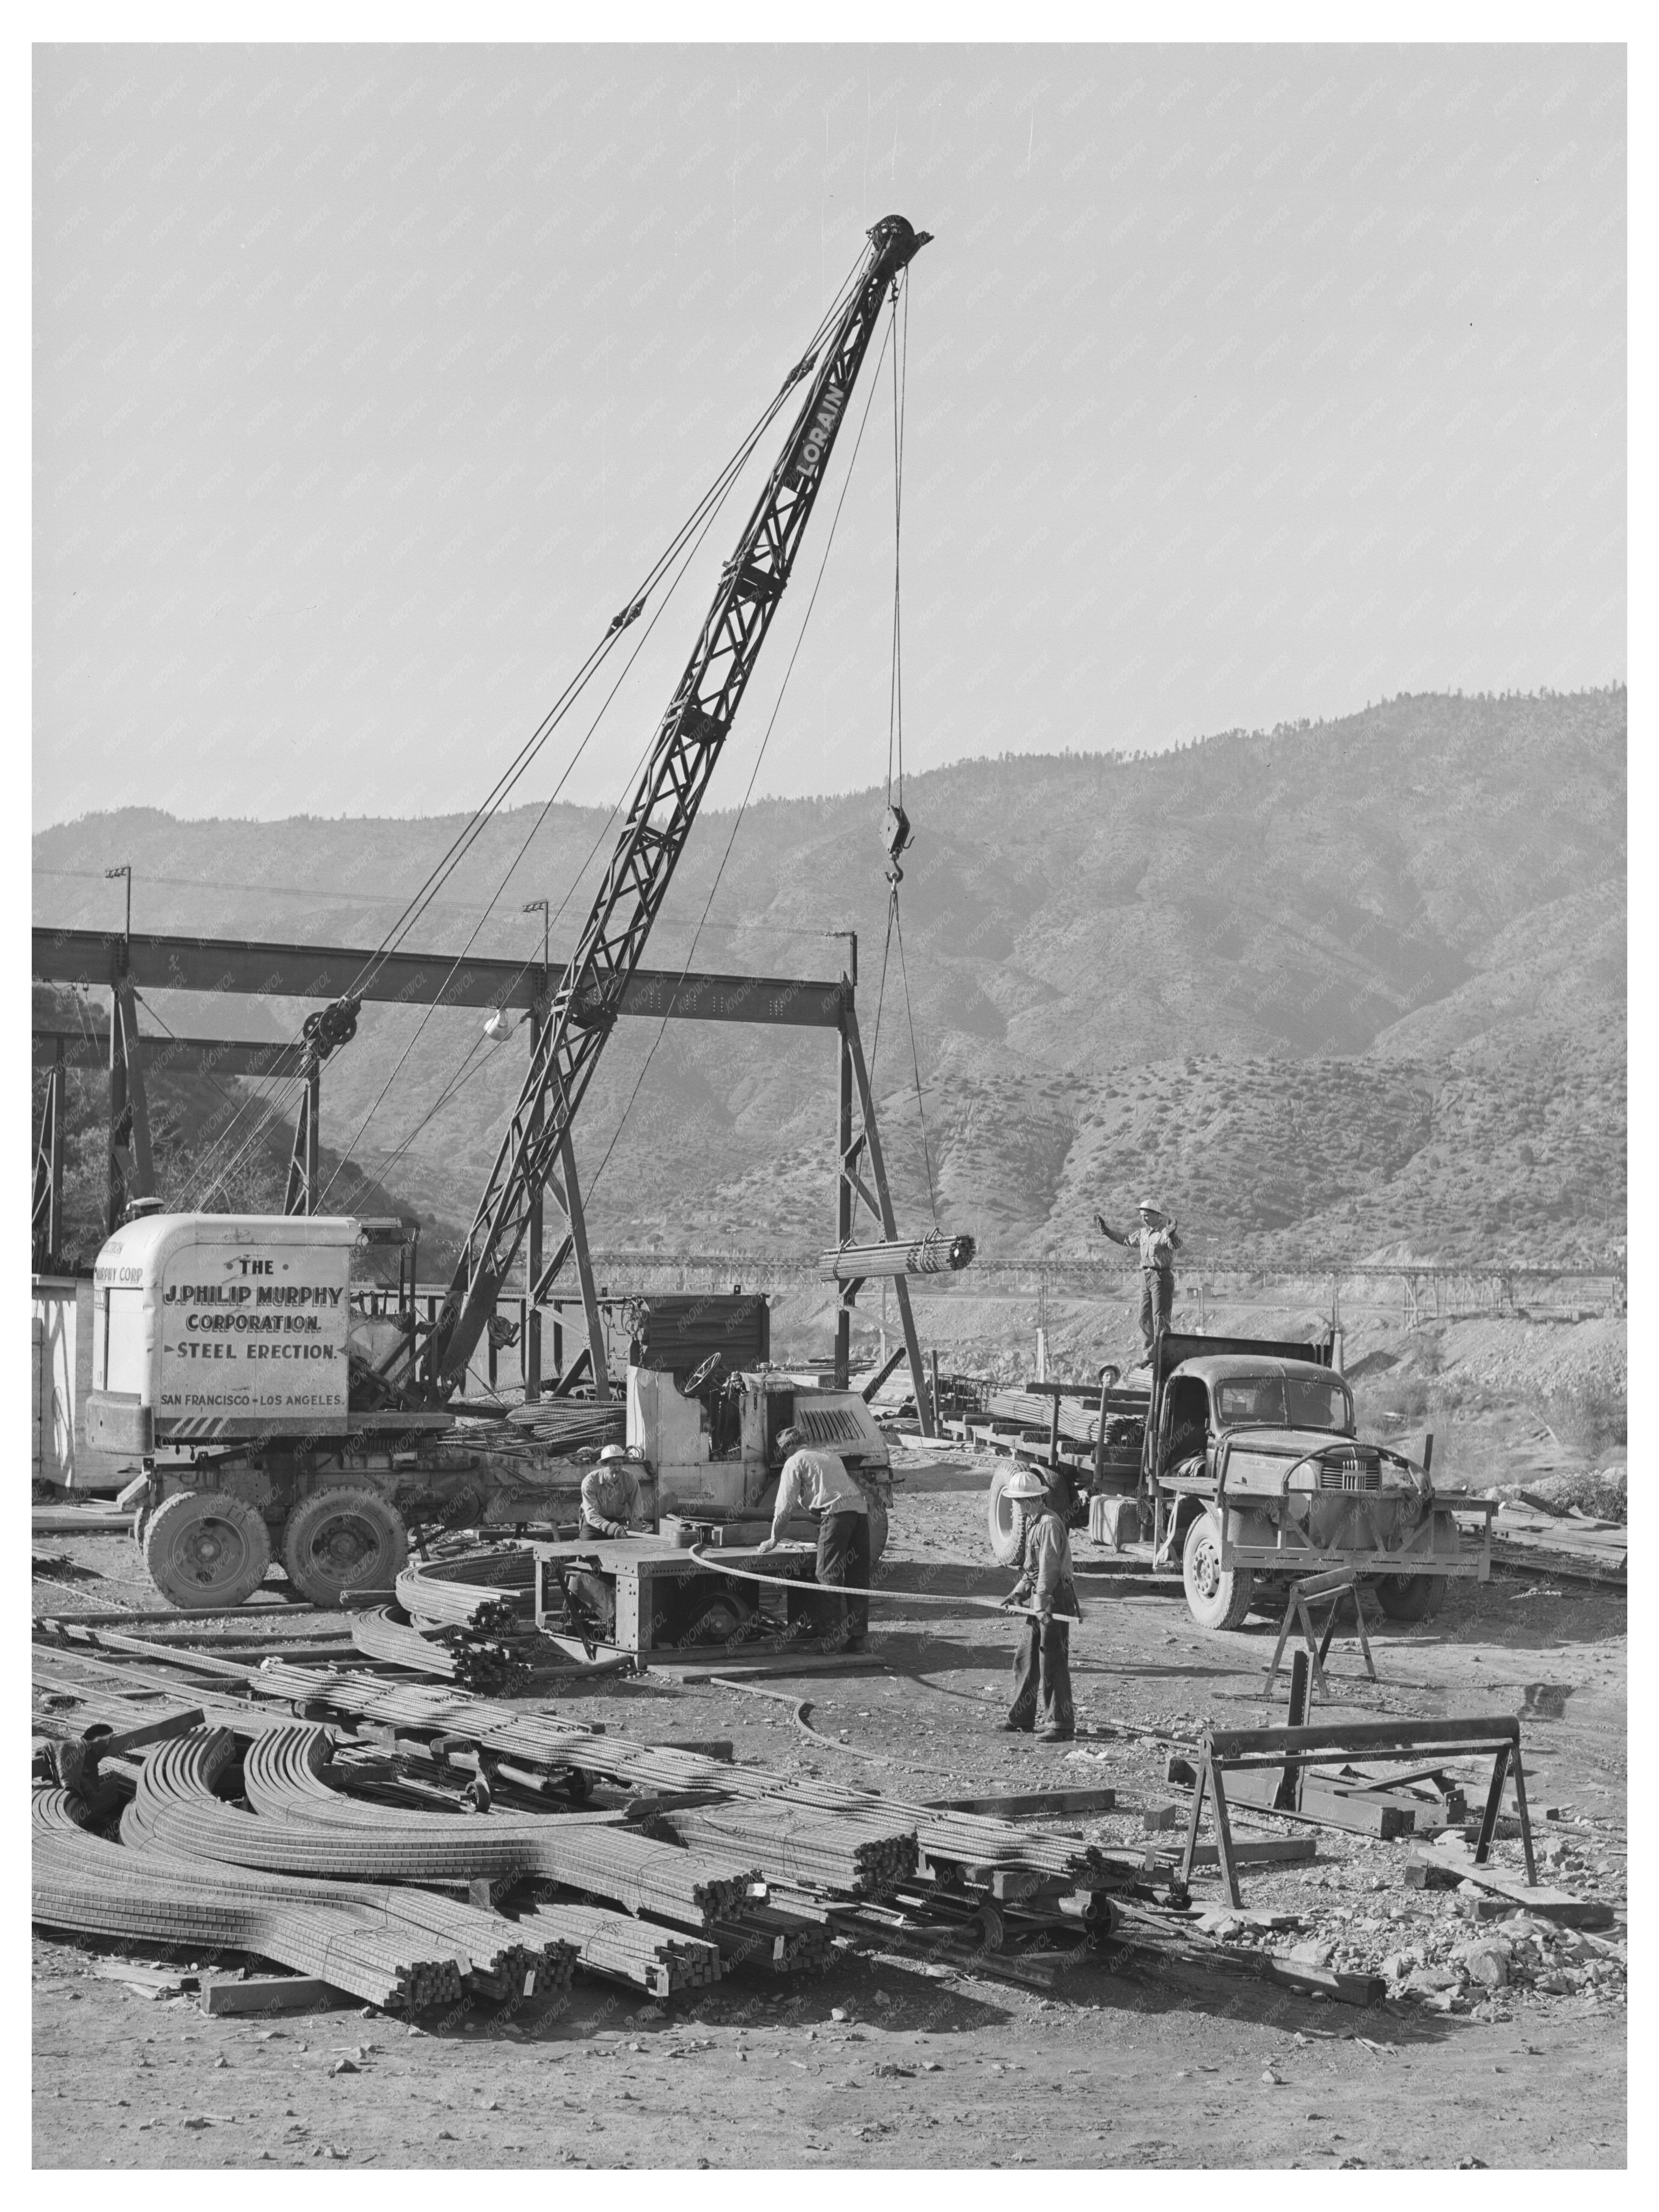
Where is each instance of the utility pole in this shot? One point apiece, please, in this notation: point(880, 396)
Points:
point(125, 869)
point(533, 1239)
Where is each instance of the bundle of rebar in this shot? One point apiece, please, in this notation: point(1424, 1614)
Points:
point(855, 1857)
point(935, 1254)
point(571, 1424)
point(768, 1935)
point(92, 1887)
point(491, 1589)
point(963, 1839)
point(465, 1656)
point(626, 1950)
point(301, 1825)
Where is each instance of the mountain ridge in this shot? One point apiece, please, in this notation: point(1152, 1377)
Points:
point(1333, 980)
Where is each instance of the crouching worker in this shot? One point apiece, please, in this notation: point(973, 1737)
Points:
point(818, 1483)
point(1042, 1664)
point(612, 1504)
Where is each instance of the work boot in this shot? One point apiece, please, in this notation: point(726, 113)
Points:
point(1016, 1728)
point(1055, 1734)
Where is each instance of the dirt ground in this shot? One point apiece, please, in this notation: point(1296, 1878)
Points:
point(1130, 2061)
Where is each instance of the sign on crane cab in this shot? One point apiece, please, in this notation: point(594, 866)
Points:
point(209, 1325)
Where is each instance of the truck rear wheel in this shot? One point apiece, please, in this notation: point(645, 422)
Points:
point(342, 1541)
point(1409, 1597)
point(1002, 1517)
point(1217, 1596)
point(205, 1551)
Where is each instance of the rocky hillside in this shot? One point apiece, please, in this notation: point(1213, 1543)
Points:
point(1342, 987)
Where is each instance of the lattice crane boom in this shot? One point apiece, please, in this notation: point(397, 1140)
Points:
point(660, 820)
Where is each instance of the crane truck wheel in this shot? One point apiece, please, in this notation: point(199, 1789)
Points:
point(1409, 1597)
point(343, 1541)
point(205, 1551)
point(1216, 1597)
point(1002, 1517)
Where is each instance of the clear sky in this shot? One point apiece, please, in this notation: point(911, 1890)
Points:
point(1243, 385)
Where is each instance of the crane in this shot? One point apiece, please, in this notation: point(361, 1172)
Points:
point(269, 1409)
point(659, 819)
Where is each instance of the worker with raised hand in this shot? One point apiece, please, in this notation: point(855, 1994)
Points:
point(818, 1482)
point(611, 1499)
point(1158, 1244)
point(1048, 1593)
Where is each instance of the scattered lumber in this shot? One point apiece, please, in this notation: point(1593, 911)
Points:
point(1018, 1805)
point(1449, 1862)
point(274, 1993)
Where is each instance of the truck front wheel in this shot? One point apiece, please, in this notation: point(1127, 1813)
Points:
point(1409, 1597)
point(204, 1549)
point(1217, 1596)
point(1003, 1518)
point(344, 1541)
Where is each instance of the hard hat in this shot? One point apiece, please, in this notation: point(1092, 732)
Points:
point(1151, 1206)
point(1028, 1483)
point(614, 1452)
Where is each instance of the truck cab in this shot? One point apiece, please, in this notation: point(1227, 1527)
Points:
point(1258, 1475)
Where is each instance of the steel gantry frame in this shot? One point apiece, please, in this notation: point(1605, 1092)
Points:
point(242, 967)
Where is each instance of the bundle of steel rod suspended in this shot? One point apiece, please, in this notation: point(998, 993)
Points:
point(300, 1824)
point(610, 1943)
point(935, 1254)
point(92, 1887)
point(464, 1655)
point(771, 1936)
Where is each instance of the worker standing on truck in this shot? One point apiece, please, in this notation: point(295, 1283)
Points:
point(611, 1499)
point(819, 1483)
point(1043, 1663)
point(1158, 1244)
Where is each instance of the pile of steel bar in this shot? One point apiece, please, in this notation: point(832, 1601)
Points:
point(302, 1825)
point(659, 1959)
point(484, 1948)
point(92, 1887)
point(459, 1654)
point(539, 1740)
point(467, 1589)
point(860, 1856)
point(571, 1425)
point(783, 1941)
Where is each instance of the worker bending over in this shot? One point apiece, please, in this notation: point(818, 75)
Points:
point(613, 1502)
point(1159, 1245)
point(1043, 1663)
point(818, 1482)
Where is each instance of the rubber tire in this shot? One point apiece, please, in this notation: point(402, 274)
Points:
point(1226, 1601)
point(1409, 1597)
point(878, 1533)
point(1002, 1517)
point(379, 1538)
point(196, 1530)
point(141, 1519)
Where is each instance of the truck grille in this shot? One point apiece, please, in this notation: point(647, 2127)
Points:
point(1348, 1471)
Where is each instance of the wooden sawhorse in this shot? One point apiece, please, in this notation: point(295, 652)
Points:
point(1336, 1583)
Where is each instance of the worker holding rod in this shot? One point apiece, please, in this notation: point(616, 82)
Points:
point(1047, 1592)
point(819, 1483)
